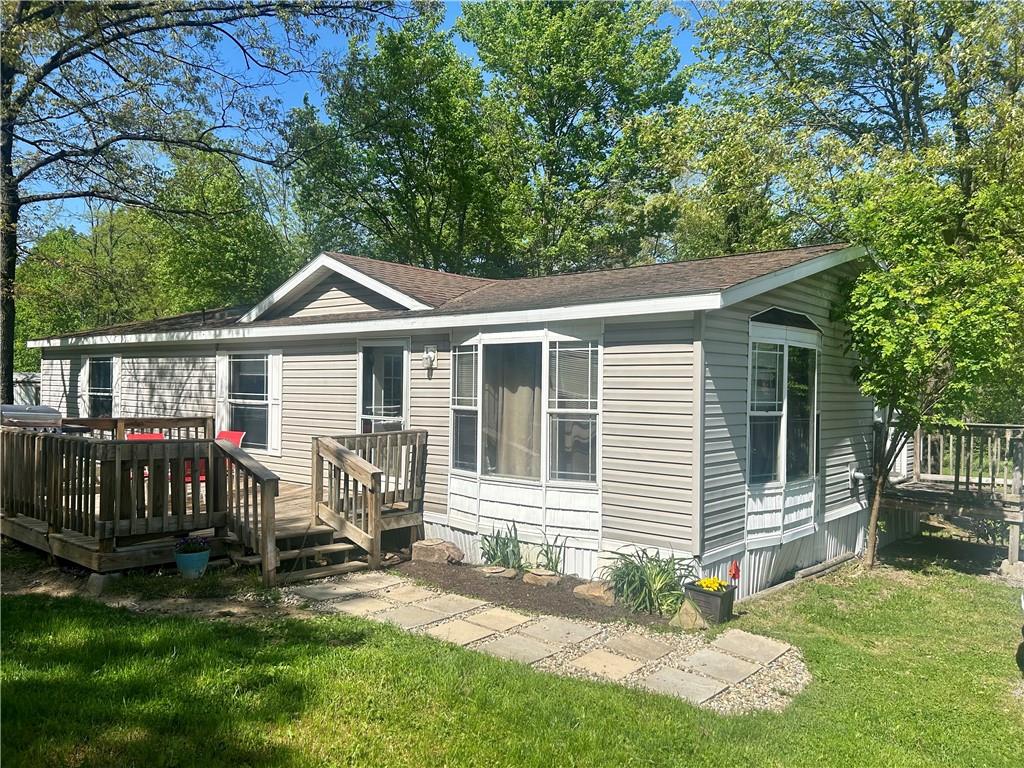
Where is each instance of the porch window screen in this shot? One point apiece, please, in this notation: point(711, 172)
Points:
point(383, 397)
point(782, 402)
point(101, 387)
point(249, 399)
point(465, 411)
point(511, 410)
point(572, 411)
point(801, 364)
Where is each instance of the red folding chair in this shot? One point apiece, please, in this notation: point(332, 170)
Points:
point(235, 438)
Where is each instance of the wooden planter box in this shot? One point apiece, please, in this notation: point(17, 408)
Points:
point(715, 607)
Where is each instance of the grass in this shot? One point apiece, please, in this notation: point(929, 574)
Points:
point(912, 665)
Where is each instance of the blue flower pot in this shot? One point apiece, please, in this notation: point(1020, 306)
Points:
point(192, 565)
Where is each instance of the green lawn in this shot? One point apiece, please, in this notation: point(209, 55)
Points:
point(912, 666)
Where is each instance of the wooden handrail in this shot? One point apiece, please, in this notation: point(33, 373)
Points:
point(193, 427)
point(348, 461)
point(362, 484)
point(253, 467)
point(978, 457)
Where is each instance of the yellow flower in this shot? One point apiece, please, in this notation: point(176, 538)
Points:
point(712, 584)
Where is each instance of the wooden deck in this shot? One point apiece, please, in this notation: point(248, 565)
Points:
point(111, 503)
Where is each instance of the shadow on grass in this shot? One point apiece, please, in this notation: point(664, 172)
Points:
point(87, 685)
point(923, 552)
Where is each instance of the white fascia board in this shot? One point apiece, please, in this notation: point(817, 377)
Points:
point(625, 309)
point(782, 277)
point(306, 276)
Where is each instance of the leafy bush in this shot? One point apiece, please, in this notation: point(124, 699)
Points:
point(647, 582)
point(503, 548)
point(551, 554)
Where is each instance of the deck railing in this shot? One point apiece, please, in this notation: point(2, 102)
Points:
point(365, 484)
point(979, 458)
point(171, 427)
point(112, 490)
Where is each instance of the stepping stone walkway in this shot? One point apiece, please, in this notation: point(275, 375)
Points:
point(736, 672)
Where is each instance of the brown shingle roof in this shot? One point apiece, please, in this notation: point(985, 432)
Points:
point(454, 294)
point(425, 285)
point(680, 278)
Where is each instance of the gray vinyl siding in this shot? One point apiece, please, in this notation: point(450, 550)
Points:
point(334, 295)
point(647, 434)
point(846, 417)
point(168, 383)
point(318, 398)
point(429, 410)
point(59, 382)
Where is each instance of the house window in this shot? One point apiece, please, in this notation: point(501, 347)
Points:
point(101, 387)
point(782, 404)
point(511, 428)
point(572, 411)
point(465, 409)
point(249, 399)
point(383, 389)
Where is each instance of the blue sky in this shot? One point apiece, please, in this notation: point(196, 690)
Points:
point(292, 94)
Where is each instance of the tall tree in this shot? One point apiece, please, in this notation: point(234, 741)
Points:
point(408, 165)
point(591, 84)
point(93, 94)
point(903, 127)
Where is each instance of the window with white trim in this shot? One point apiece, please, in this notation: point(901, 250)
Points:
point(465, 408)
point(249, 399)
point(100, 390)
point(781, 412)
point(572, 411)
point(501, 413)
point(383, 389)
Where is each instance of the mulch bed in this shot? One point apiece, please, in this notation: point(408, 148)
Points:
point(513, 593)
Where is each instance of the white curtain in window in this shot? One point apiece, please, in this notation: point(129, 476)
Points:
point(512, 412)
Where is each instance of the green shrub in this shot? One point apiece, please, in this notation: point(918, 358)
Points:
point(649, 583)
point(503, 548)
point(551, 554)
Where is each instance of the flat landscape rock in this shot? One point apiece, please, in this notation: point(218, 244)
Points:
point(558, 631)
point(459, 632)
point(638, 647)
point(683, 685)
point(323, 591)
point(756, 648)
point(498, 619)
point(498, 572)
point(599, 592)
point(409, 616)
point(450, 605)
point(408, 593)
point(360, 606)
point(608, 665)
point(371, 582)
point(518, 647)
point(540, 577)
point(436, 551)
point(721, 666)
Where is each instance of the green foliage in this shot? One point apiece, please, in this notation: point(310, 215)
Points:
point(551, 554)
point(648, 582)
point(405, 168)
point(503, 548)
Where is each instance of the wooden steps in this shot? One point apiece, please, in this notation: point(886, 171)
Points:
point(285, 577)
point(315, 550)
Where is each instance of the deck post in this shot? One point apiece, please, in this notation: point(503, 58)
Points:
point(1013, 547)
point(374, 522)
point(268, 537)
point(316, 481)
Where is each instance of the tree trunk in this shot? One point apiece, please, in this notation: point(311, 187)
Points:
point(9, 209)
point(876, 505)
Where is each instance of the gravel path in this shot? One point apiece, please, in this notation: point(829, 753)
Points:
point(725, 676)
